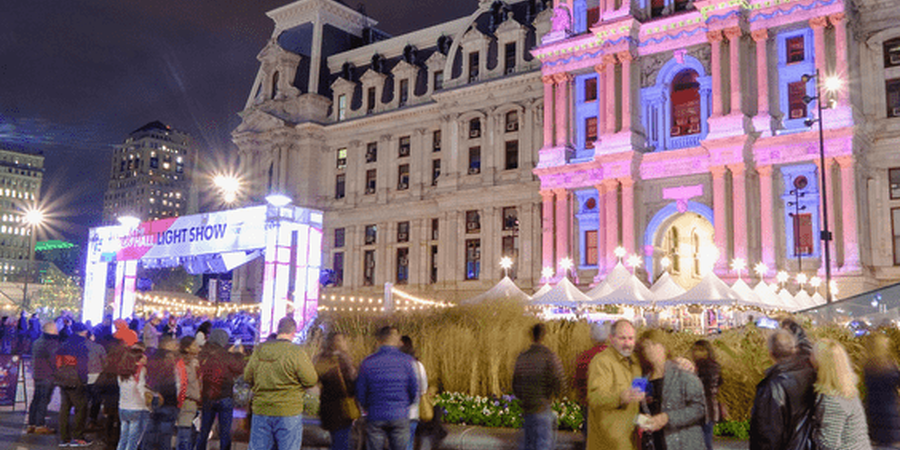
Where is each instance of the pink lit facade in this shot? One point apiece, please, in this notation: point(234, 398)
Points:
point(665, 119)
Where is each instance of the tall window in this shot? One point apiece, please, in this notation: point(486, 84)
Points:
point(338, 268)
point(512, 155)
point(590, 247)
point(685, 104)
point(509, 60)
point(473, 66)
point(510, 219)
point(404, 92)
point(803, 234)
point(435, 229)
point(438, 80)
point(435, 171)
point(404, 146)
point(672, 249)
point(371, 234)
point(891, 53)
point(794, 49)
point(796, 105)
point(894, 175)
point(657, 7)
point(403, 177)
point(512, 121)
point(895, 227)
point(275, 84)
point(339, 238)
point(590, 89)
point(342, 158)
point(590, 132)
point(509, 247)
point(370, 100)
point(340, 182)
point(371, 176)
point(473, 258)
point(342, 107)
point(433, 264)
point(474, 160)
point(892, 97)
point(403, 232)
point(796, 57)
point(369, 268)
point(436, 141)
point(371, 152)
point(473, 221)
point(475, 128)
point(402, 265)
point(695, 246)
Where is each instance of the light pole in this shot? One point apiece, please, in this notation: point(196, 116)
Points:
point(34, 217)
point(799, 183)
point(826, 237)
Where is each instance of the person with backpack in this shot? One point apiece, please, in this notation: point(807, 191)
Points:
point(167, 379)
point(219, 366)
point(71, 376)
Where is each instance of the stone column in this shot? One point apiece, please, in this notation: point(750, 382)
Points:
point(609, 121)
point(547, 226)
point(562, 227)
point(548, 111)
point(490, 244)
point(818, 25)
point(715, 40)
point(739, 209)
point(563, 80)
point(526, 256)
point(720, 216)
point(734, 54)
point(840, 43)
point(628, 215)
point(625, 58)
point(848, 216)
point(612, 221)
point(601, 99)
point(417, 266)
point(766, 215)
point(602, 251)
point(763, 120)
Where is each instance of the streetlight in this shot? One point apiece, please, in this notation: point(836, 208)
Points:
point(761, 270)
point(129, 222)
point(506, 263)
point(738, 265)
point(566, 264)
point(34, 218)
point(782, 277)
point(229, 186)
point(278, 200)
point(547, 273)
point(831, 84)
point(620, 253)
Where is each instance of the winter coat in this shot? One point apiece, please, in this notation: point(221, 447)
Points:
point(611, 425)
point(710, 374)
point(279, 372)
point(43, 353)
point(333, 393)
point(218, 369)
point(781, 418)
point(684, 403)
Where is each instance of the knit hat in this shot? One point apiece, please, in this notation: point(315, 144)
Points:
point(218, 337)
point(78, 327)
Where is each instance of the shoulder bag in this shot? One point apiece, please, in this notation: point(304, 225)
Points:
point(348, 404)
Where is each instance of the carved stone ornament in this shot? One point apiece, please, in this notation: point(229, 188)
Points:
point(650, 66)
point(702, 53)
point(562, 20)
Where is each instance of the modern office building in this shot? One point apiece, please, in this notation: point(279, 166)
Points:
point(151, 175)
point(21, 175)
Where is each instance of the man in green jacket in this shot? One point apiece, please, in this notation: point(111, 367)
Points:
point(279, 373)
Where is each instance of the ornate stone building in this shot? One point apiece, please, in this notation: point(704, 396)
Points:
point(419, 148)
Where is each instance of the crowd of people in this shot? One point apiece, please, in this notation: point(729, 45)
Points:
point(169, 379)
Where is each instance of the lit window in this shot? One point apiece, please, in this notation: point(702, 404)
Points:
point(474, 160)
point(892, 97)
point(402, 265)
point(473, 259)
point(590, 89)
point(794, 49)
point(342, 158)
point(404, 146)
point(685, 104)
point(796, 105)
point(342, 107)
point(403, 177)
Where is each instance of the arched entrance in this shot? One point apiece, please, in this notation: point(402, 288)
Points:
point(682, 234)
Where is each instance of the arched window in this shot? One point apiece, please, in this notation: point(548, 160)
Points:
point(672, 250)
point(695, 245)
point(685, 99)
point(275, 84)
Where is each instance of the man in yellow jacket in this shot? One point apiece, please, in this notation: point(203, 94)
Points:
point(612, 401)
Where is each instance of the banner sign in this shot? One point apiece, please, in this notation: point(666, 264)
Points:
point(9, 379)
point(218, 232)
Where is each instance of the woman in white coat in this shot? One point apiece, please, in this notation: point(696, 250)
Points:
point(422, 379)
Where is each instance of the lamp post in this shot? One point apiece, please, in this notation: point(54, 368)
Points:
point(831, 84)
point(229, 186)
point(799, 183)
point(34, 217)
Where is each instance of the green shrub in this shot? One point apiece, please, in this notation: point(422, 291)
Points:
point(736, 429)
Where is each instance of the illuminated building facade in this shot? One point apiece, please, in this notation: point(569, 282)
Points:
point(150, 175)
point(21, 175)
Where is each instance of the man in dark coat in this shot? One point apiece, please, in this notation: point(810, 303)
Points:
point(781, 418)
point(43, 355)
point(219, 366)
point(72, 375)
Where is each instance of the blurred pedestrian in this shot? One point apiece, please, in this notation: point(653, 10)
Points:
point(882, 379)
point(134, 415)
point(167, 378)
point(538, 377)
point(840, 420)
point(782, 409)
point(188, 351)
point(96, 362)
point(150, 334)
point(599, 335)
point(675, 406)
point(386, 387)
point(279, 372)
point(407, 347)
point(71, 375)
point(338, 378)
point(710, 374)
point(123, 333)
point(220, 365)
point(612, 398)
point(43, 357)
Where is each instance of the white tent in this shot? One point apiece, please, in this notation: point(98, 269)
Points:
point(803, 300)
point(787, 299)
point(563, 294)
point(505, 289)
point(747, 293)
point(818, 299)
point(614, 279)
point(666, 288)
point(632, 292)
point(543, 290)
point(711, 291)
point(768, 296)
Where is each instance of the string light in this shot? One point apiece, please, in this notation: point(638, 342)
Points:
point(761, 270)
point(421, 301)
point(547, 273)
point(801, 279)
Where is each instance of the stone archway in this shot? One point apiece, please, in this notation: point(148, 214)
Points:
point(679, 230)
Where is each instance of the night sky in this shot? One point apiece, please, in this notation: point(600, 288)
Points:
point(77, 76)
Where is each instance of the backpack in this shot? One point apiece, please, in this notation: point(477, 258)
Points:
point(66, 374)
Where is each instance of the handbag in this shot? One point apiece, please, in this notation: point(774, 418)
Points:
point(426, 407)
point(349, 408)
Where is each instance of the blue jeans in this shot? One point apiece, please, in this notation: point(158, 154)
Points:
point(540, 430)
point(224, 410)
point(133, 424)
point(708, 434)
point(185, 438)
point(413, 423)
point(37, 413)
point(340, 439)
point(161, 428)
point(265, 431)
point(396, 432)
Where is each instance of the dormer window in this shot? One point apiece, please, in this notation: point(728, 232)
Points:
point(275, 84)
point(370, 100)
point(342, 107)
point(509, 60)
point(438, 80)
point(473, 67)
point(404, 92)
